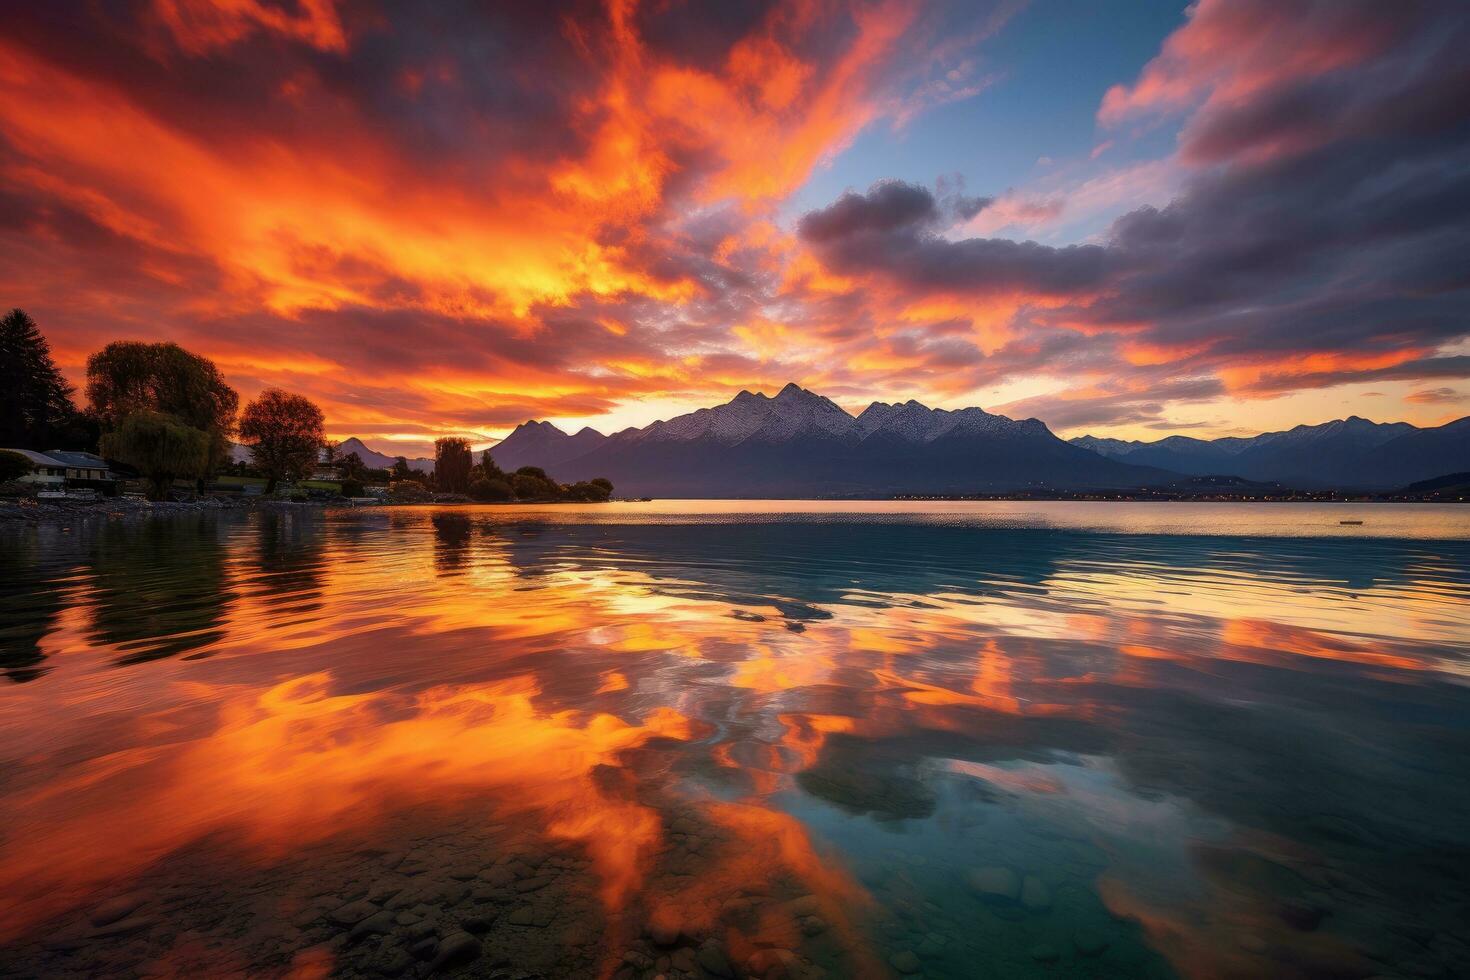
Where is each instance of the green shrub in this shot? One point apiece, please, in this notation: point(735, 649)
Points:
point(491, 490)
point(409, 492)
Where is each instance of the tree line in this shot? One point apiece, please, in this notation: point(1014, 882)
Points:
point(457, 472)
point(169, 414)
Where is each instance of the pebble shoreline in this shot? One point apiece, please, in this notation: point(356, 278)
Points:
point(25, 511)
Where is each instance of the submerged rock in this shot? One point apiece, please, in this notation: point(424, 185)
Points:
point(713, 959)
point(905, 961)
point(1035, 896)
point(380, 924)
point(125, 927)
point(995, 884)
point(116, 908)
point(1090, 942)
point(457, 949)
point(352, 913)
point(1045, 953)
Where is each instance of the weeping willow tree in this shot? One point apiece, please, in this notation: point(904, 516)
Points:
point(160, 447)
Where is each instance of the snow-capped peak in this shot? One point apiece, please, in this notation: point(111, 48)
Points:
point(793, 412)
point(916, 422)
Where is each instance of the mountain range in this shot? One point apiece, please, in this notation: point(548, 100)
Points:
point(371, 459)
point(799, 443)
point(380, 461)
point(1350, 453)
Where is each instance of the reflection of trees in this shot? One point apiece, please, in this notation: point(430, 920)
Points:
point(160, 587)
point(452, 534)
point(289, 561)
point(34, 564)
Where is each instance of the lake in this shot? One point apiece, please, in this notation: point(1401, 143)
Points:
point(777, 739)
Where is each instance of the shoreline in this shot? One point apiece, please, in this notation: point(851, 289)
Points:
point(28, 512)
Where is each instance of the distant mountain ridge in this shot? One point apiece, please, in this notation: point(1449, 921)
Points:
point(799, 443)
point(380, 461)
point(371, 458)
point(1350, 453)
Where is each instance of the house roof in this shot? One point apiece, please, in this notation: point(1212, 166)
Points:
point(38, 459)
point(70, 458)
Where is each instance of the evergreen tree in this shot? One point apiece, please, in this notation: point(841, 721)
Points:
point(36, 410)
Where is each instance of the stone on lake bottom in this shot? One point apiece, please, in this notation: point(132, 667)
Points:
point(353, 912)
point(1090, 942)
point(396, 964)
point(1035, 896)
point(115, 908)
point(713, 959)
point(774, 962)
point(906, 961)
point(380, 924)
point(1300, 915)
point(457, 949)
point(995, 884)
point(478, 923)
point(124, 927)
point(1045, 953)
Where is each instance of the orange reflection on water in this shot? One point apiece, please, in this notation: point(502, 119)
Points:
point(298, 763)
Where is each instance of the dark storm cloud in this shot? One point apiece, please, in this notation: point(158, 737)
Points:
point(888, 208)
point(892, 231)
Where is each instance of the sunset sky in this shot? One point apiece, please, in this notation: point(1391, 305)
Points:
point(1133, 218)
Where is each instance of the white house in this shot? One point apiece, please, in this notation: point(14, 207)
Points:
point(82, 466)
point(44, 469)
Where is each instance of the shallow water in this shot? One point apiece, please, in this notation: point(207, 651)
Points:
point(937, 739)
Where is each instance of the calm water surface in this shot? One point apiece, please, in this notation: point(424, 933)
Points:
point(948, 740)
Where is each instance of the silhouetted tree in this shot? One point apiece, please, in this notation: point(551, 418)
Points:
point(13, 466)
point(127, 377)
point(491, 491)
point(591, 492)
point(36, 410)
point(529, 486)
point(452, 464)
point(400, 469)
point(408, 492)
point(161, 447)
point(284, 432)
point(352, 467)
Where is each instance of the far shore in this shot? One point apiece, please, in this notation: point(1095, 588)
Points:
point(24, 511)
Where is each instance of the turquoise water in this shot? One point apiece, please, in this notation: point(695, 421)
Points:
point(697, 739)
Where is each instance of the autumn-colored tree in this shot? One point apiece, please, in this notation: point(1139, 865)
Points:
point(161, 447)
point(284, 433)
point(452, 461)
